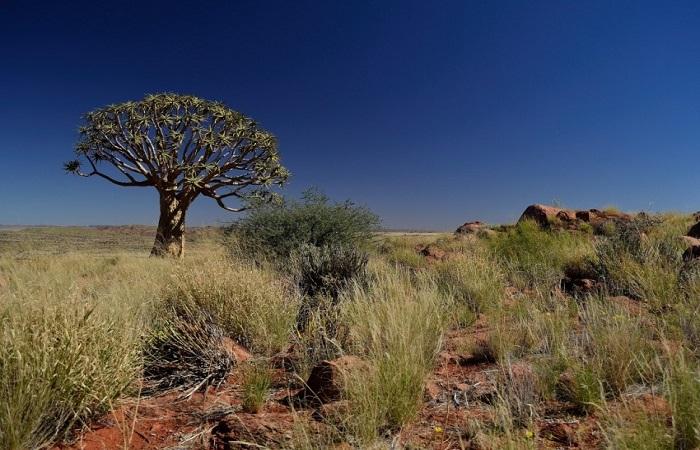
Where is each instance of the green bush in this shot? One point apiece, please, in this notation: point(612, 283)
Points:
point(275, 231)
point(641, 259)
point(324, 272)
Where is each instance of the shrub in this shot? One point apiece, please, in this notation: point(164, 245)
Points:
point(323, 273)
point(396, 325)
point(70, 329)
point(328, 270)
point(474, 280)
point(275, 231)
point(683, 387)
point(184, 350)
point(252, 305)
point(641, 259)
point(536, 258)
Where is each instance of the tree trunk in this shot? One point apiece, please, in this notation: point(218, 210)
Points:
point(170, 236)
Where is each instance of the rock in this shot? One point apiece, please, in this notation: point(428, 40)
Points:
point(634, 307)
point(327, 380)
point(689, 241)
point(694, 231)
point(543, 215)
point(560, 432)
point(269, 430)
point(692, 252)
point(433, 253)
point(471, 228)
point(333, 412)
point(580, 286)
point(288, 359)
point(238, 353)
point(566, 215)
point(432, 390)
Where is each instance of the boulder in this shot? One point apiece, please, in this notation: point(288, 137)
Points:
point(326, 382)
point(432, 252)
point(471, 228)
point(544, 215)
point(694, 231)
point(692, 252)
point(689, 241)
point(566, 215)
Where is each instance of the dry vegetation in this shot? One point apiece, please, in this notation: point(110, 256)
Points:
point(480, 348)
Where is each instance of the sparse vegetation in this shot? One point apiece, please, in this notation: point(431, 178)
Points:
point(477, 331)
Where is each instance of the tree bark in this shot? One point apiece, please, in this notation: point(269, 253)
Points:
point(170, 236)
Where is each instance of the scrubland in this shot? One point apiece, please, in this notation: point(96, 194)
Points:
point(482, 346)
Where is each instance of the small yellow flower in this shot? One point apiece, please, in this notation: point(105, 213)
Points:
point(438, 429)
point(529, 434)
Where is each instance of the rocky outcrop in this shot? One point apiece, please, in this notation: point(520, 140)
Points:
point(432, 252)
point(561, 218)
point(471, 228)
point(694, 231)
point(544, 215)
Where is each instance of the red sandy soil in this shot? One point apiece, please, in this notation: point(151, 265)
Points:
point(457, 394)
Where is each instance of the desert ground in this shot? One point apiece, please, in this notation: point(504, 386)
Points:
point(568, 329)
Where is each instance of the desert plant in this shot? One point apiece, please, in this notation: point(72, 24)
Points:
point(536, 258)
point(474, 280)
point(322, 274)
point(275, 231)
point(397, 325)
point(251, 304)
point(256, 385)
point(184, 147)
point(683, 387)
point(184, 350)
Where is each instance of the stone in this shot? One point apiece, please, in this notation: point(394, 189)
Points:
point(691, 253)
point(471, 228)
point(433, 253)
point(694, 231)
point(326, 383)
point(542, 214)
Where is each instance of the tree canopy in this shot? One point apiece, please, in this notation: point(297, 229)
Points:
point(182, 145)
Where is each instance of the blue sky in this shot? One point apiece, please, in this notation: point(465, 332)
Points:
point(430, 113)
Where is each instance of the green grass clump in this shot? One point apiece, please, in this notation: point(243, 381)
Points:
point(251, 304)
point(474, 279)
point(396, 324)
point(536, 258)
point(256, 386)
point(70, 333)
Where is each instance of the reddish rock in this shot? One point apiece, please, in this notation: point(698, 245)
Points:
point(689, 241)
point(560, 432)
point(542, 214)
point(694, 231)
point(471, 228)
point(566, 215)
point(433, 253)
point(691, 253)
point(432, 390)
point(634, 307)
point(239, 353)
point(326, 382)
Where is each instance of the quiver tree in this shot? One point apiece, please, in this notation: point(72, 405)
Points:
point(184, 147)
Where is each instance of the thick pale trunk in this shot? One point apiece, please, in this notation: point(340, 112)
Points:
point(170, 236)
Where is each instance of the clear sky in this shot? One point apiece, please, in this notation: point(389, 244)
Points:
point(430, 113)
